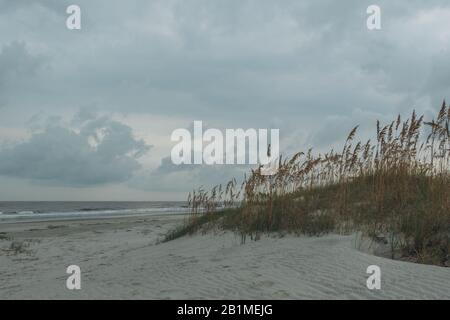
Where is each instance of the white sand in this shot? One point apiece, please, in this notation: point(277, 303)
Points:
point(119, 259)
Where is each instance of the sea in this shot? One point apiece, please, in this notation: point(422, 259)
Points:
point(11, 211)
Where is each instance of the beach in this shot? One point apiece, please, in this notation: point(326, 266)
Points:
point(121, 258)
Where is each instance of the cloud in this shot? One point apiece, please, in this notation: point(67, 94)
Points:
point(334, 129)
point(215, 58)
point(102, 151)
point(313, 65)
point(17, 64)
point(18, 69)
point(255, 58)
point(169, 177)
point(15, 60)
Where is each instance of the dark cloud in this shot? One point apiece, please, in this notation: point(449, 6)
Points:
point(6, 6)
point(104, 151)
point(18, 68)
point(17, 64)
point(213, 59)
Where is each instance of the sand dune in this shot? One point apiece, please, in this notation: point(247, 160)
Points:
point(120, 259)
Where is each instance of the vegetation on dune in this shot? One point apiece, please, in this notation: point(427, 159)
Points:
point(397, 189)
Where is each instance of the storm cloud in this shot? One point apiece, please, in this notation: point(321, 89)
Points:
point(102, 151)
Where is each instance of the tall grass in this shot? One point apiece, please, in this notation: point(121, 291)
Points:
point(397, 187)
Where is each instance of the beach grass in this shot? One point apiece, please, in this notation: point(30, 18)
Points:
point(396, 188)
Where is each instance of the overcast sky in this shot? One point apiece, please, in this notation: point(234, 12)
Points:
point(87, 114)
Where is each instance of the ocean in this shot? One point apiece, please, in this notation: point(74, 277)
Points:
point(71, 210)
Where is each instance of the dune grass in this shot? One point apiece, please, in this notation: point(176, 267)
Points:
point(397, 188)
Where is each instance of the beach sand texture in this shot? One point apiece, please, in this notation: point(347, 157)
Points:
point(120, 259)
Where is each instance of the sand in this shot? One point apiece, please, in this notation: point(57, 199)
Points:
point(120, 259)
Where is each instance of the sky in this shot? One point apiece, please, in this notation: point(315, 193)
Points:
point(88, 114)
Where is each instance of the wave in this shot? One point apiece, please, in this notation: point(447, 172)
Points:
point(91, 213)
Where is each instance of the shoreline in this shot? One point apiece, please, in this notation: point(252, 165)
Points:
point(86, 217)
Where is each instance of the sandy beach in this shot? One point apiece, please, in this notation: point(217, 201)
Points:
point(121, 258)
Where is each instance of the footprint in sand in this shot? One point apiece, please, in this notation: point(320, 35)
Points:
point(281, 294)
point(263, 284)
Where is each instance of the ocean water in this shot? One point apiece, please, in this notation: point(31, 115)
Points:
point(61, 210)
